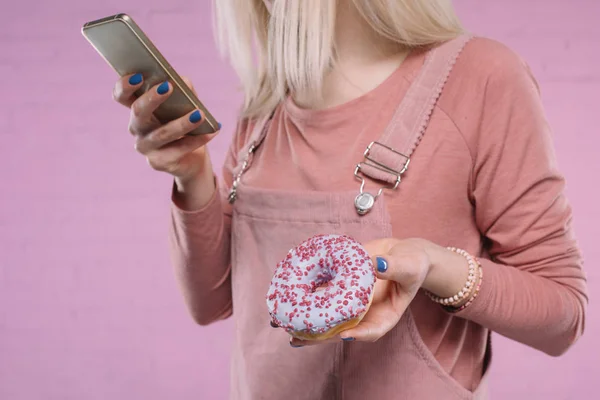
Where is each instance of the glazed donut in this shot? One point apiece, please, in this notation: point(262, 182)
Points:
point(322, 287)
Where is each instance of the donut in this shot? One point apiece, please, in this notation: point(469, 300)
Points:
point(322, 287)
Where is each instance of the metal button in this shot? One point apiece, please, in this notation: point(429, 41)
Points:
point(364, 202)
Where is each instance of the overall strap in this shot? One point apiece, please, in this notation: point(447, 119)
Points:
point(388, 158)
point(245, 154)
point(259, 131)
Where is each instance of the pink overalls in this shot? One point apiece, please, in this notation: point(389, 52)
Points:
point(267, 223)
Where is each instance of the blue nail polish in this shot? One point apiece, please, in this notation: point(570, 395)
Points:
point(382, 264)
point(195, 117)
point(220, 126)
point(348, 339)
point(135, 79)
point(163, 88)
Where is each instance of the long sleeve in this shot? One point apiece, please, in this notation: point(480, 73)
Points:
point(534, 288)
point(200, 250)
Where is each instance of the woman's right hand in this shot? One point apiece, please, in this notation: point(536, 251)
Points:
point(166, 146)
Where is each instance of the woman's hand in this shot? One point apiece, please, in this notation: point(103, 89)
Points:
point(403, 267)
point(166, 146)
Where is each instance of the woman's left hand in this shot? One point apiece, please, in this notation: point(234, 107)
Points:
point(402, 267)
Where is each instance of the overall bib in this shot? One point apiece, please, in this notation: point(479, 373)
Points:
point(267, 223)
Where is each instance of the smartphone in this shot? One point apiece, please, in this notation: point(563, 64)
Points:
point(121, 42)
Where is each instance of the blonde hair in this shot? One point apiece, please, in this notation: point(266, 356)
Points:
point(287, 46)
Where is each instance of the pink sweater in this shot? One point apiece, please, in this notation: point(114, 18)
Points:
point(484, 178)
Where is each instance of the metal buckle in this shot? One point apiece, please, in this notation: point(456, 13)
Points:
point(364, 201)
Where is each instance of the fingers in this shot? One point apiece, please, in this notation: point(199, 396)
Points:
point(172, 132)
point(142, 107)
point(142, 120)
point(294, 342)
point(379, 320)
point(366, 331)
point(125, 88)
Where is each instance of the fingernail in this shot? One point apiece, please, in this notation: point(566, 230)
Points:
point(195, 117)
point(274, 325)
point(348, 339)
point(135, 79)
point(220, 126)
point(163, 88)
point(382, 264)
point(296, 345)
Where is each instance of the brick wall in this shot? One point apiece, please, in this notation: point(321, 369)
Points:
point(88, 306)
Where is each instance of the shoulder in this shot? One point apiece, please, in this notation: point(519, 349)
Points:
point(485, 61)
point(487, 74)
point(490, 88)
point(488, 71)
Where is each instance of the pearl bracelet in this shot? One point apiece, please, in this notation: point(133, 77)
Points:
point(465, 292)
point(468, 303)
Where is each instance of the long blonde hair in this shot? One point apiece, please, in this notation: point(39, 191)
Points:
point(287, 45)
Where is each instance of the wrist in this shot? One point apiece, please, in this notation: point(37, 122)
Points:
point(189, 182)
point(197, 171)
point(448, 271)
point(194, 190)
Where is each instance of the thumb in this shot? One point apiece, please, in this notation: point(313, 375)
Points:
point(380, 252)
point(390, 266)
point(405, 265)
point(384, 266)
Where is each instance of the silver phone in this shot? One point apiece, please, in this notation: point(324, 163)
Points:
point(121, 42)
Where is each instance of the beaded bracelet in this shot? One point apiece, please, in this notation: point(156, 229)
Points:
point(465, 292)
point(468, 303)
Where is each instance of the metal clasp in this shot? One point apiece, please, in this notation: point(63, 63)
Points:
point(238, 178)
point(364, 201)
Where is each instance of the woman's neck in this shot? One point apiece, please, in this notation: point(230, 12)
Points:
point(364, 59)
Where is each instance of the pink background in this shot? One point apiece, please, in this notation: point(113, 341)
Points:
point(88, 306)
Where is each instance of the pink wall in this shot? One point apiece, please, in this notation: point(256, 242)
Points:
point(88, 306)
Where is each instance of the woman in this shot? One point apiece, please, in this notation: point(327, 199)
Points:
point(333, 77)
